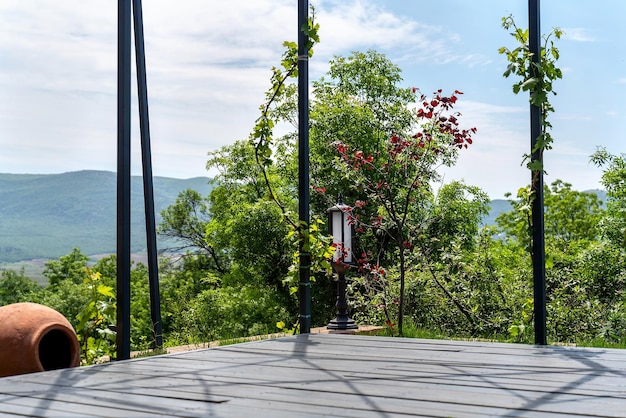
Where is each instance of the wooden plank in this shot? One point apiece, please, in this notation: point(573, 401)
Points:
point(499, 397)
point(433, 374)
point(335, 375)
point(504, 362)
point(285, 399)
point(19, 406)
point(546, 374)
point(111, 404)
point(310, 380)
point(405, 348)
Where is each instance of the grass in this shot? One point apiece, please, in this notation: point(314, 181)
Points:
point(601, 343)
point(410, 330)
point(238, 340)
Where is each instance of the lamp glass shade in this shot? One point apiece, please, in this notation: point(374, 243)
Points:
point(341, 230)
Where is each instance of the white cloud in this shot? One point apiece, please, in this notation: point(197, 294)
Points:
point(493, 161)
point(359, 24)
point(209, 66)
point(577, 35)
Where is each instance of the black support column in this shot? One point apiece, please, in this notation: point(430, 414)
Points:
point(148, 187)
point(123, 180)
point(303, 167)
point(536, 128)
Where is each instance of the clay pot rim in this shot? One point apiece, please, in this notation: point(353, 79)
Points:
point(70, 335)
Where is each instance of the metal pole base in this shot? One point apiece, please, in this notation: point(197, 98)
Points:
point(341, 323)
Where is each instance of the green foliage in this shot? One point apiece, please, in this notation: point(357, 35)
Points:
point(602, 270)
point(95, 321)
point(571, 217)
point(535, 76)
point(613, 224)
point(584, 276)
point(67, 292)
point(229, 312)
point(456, 216)
point(67, 267)
point(185, 220)
point(16, 287)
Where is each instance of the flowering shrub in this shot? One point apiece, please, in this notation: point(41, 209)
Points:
point(396, 186)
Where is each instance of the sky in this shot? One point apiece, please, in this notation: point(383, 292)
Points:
point(209, 61)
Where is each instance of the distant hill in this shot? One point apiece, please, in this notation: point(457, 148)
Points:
point(45, 216)
point(498, 206)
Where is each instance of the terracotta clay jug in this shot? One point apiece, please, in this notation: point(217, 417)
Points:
point(35, 338)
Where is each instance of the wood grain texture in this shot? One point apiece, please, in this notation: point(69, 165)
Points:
point(335, 375)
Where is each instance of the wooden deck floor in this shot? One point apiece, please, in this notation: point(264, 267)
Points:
point(335, 375)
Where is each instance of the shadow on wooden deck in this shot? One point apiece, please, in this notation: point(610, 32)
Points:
point(335, 375)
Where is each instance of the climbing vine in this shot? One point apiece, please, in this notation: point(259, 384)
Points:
point(314, 240)
point(536, 78)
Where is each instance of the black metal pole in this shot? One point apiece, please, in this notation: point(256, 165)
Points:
point(303, 167)
point(539, 251)
point(148, 187)
point(123, 180)
point(342, 321)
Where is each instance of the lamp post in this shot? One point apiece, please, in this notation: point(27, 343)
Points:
point(340, 227)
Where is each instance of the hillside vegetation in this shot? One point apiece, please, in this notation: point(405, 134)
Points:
point(46, 215)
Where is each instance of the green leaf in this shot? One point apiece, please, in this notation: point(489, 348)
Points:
point(106, 291)
point(529, 84)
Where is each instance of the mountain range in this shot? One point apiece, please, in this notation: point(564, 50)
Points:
point(46, 215)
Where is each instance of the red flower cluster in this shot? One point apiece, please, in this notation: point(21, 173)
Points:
point(357, 159)
point(435, 108)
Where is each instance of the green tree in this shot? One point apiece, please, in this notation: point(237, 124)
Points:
point(571, 217)
point(358, 104)
point(613, 225)
point(16, 287)
point(361, 104)
point(68, 267)
point(184, 223)
point(244, 244)
point(584, 274)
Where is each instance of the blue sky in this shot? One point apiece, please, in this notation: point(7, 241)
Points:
point(208, 67)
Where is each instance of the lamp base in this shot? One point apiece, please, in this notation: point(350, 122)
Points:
point(341, 323)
